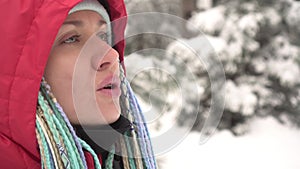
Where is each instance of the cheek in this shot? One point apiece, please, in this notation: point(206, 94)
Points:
point(58, 74)
point(60, 64)
point(59, 70)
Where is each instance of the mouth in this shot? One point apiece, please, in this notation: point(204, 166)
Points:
point(110, 86)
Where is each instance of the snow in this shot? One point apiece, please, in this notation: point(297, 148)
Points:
point(249, 24)
point(243, 35)
point(240, 98)
point(292, 16)
point(267, 145)
point(272, 17)
point(283, 49)
point(134, 58)
point(287, 71)
point(204, 4)
point(203, 20)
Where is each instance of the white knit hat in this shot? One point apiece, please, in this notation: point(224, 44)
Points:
point(94, 5)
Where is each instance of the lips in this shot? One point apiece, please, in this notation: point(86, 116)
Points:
point(110, 86)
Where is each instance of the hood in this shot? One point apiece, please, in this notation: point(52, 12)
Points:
point(28, 30)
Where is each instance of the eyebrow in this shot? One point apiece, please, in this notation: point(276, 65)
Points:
point(80, 23)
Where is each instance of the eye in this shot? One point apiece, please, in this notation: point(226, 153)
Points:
point(103, 36)
point(72, 39)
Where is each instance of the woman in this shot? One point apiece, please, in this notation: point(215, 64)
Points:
point(41, 125)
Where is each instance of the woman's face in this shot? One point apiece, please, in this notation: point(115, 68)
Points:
point(94, 66)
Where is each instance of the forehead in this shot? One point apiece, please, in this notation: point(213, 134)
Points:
point(85, 15)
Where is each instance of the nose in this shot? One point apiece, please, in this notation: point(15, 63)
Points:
point(106, 59)
point(110, 60)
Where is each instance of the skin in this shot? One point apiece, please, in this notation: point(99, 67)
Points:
point(98, 61)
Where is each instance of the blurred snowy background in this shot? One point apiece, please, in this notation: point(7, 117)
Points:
point(257, 43)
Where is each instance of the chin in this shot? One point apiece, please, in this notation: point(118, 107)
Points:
point(109, 111)
point(115, 118)
point(111, 116)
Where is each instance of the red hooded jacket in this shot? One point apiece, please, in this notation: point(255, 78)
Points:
point(28, 29)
